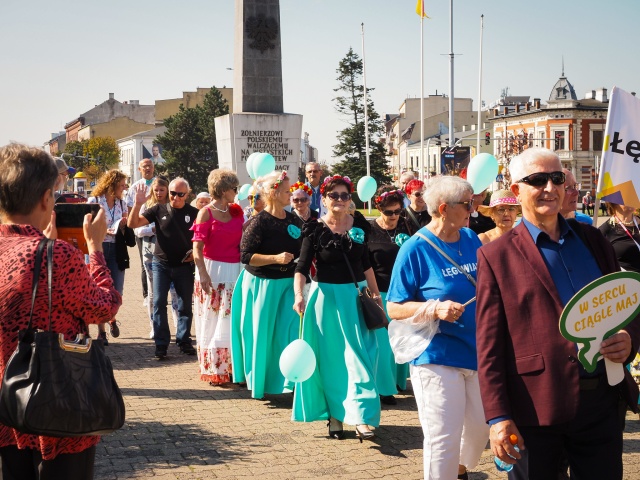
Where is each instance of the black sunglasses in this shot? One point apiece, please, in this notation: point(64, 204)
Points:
point(177, 194)
point(417, 194)
point(235, 189)
point(469, 204)
point(299, 200)
point(540, 179)
point(343, 196)
point(388, 213)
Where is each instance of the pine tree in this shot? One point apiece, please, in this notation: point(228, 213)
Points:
point(189, 143)
point(351, 140)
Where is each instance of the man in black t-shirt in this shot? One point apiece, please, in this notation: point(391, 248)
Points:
point(172, 261)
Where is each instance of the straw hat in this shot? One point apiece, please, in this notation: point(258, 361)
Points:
point(499, 197)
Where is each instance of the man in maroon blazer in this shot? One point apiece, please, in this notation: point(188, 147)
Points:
point(532, 384)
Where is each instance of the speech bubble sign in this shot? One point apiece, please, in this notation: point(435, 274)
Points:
point(597, 311)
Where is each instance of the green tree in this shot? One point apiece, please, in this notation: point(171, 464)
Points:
point(351, 140)
point(189, 143)
point(93, 156)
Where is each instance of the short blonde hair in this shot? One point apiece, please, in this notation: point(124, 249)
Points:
point(220, 181)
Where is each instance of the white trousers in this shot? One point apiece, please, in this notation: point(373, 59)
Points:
point(452, 419)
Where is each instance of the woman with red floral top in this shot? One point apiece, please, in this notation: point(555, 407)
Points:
point(216, 242)
point(80, 292)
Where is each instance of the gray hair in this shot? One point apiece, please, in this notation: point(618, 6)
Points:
point(177, 180)
point(519, 166)
point(445, 189)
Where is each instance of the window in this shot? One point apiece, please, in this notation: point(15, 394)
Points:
point(596, 140)
point(559, 140)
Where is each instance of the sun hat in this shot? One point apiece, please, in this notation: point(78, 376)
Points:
point(499, 197)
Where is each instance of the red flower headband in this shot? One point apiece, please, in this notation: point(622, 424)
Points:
point(328, 179)
point(383, 195)
point(301, 186)
point(283, 176)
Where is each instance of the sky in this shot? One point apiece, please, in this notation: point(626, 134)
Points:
point(60, 58)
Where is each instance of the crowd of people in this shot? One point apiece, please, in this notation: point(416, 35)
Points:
point(490, 286)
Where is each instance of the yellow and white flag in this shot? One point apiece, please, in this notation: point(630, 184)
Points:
point(420, 9)
point(619, 180)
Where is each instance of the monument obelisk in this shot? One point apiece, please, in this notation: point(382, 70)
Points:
point(258, 123)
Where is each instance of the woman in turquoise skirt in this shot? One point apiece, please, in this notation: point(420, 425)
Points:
point(388, 232)
point(343, 387)
point(262, 322)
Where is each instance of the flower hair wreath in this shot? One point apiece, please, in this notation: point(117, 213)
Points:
point(383, 195)
point(301, 186)
point(281, 179)
point(328, 179)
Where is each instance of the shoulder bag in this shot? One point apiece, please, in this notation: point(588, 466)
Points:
point(374, 315)
point(56, 388)
point(439, 250)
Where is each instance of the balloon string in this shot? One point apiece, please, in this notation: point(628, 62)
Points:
point(300, 330)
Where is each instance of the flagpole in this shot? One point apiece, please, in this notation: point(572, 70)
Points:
point(452, 139)
point(366, 117)
point(421, 163)
point(480, 86)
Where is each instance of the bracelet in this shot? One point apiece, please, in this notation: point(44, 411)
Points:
point(298, 293)
point(375, 296)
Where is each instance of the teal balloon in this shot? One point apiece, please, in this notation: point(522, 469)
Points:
point(264, 164)
point(297, 362)
point(367, 186)
point(243, 192)
point(250, 164)
point(482, 171)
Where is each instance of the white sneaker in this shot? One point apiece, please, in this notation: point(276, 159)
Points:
point(151, 333)
point(145, 302)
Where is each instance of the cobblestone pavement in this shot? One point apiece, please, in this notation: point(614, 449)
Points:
point(181, 428)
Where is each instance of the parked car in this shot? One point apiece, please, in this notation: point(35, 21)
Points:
point(71, 198)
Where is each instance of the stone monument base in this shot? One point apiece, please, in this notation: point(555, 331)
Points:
point(238, 135)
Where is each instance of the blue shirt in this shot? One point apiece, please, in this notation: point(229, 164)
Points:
point(421, 273)
point(315, 198)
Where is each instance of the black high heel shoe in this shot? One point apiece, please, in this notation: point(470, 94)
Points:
point(337, 434)
point(363, 433)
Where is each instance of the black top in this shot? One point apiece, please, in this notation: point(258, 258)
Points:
point(626, 249)
point(423, 218)
point(327, 247)
point(173, 231)
point(383, 250)
point(268, 235)
point(481, 223)
point(312, 216)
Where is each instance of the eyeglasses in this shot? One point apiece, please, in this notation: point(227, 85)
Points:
point(313, 171)
point(418, 194)
point(235, 189)
point(299, 200)
point(503, 210)
point(575, 187)
point(177, 194)
point(540, 179)
point(389, 213)
point(468, 204)
point(343, 196)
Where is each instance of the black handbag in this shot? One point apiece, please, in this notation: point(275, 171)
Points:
point(56, 388)
point(374, 315)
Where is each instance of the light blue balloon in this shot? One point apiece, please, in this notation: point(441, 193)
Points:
point(482, 171)
point(243, 192)
point(250, 164)
point(264, 164)
point(297, 362)
point(367, 186)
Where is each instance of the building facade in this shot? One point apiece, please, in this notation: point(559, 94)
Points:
point(573, 128)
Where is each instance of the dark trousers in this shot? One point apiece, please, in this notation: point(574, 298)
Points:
point(592, 442)
point(182, 278)
point(143, 275)
point(27, 464)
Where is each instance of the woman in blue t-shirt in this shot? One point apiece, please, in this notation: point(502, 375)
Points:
point(427, 287)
